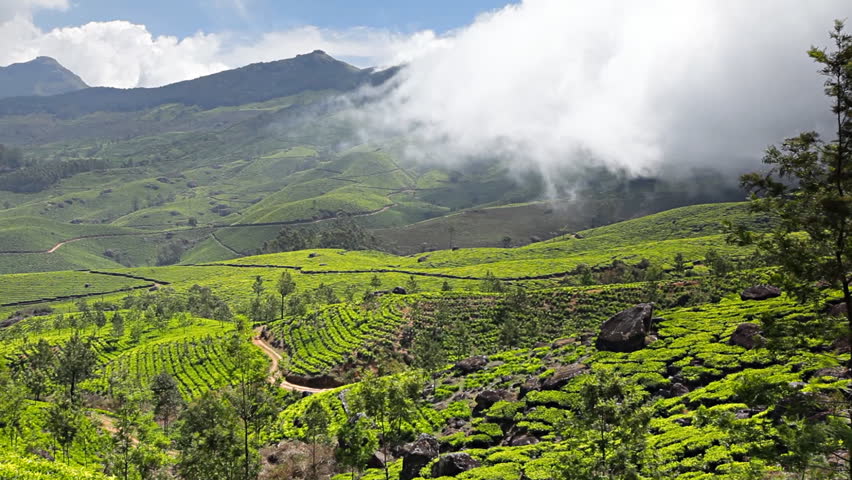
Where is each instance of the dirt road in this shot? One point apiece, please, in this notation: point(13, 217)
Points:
point(274, 374)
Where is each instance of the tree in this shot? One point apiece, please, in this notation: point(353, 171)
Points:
point(506, 241)
point(316, 431)
point(411, 284)
point(11, 404)
point(63, 423)
point(39, 368)
point(390, 403)
point(428, 350)
point(491, 283)
point(208, 440)
point(809, 189)
point(446, 287)
point(356, 443)
point(609, 427)
point(76, 363)
point(248, 395)
point(167, 399)
point(117, 325)
point(679, 264)
point(285, 286)
point(375, 281)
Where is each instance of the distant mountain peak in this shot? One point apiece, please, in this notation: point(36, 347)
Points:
point(41, 76)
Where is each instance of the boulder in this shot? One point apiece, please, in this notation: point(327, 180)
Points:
point(472, 364)
point(563, 341)
point(313, 255)
point(417, 454)
point(423, 259)
point(398, 291)
point(747, 335)
point(838, 310)
point(486, 399)
point(562, 376)
point(760, 292)
point(453, 464)
point(678, 390)
point(377, 460)
point(626, 330)
point(531, 384)
point(523, 440)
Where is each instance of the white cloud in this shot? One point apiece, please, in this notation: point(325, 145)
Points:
point(123, 54)
point(554, 84)
point(544, 84)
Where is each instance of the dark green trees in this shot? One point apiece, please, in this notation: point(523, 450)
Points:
point(608, 427)
point(809, 189)
point(76, 363)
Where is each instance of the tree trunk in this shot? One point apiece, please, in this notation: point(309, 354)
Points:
point(246, 447)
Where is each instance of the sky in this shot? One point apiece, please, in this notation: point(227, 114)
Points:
point(650, 87)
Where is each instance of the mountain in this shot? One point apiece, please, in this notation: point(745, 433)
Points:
point(42, 77)
point(253, 83)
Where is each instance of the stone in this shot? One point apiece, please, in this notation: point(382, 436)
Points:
point(417, 455)
point(562, 376)
point(760, 292)
point(563, 341)
point(423, 259)
point(523, 440)
point(678, 389)
point(626, 330)
point(838, 310)
point(747, 335)
point(313, 255)
point(531, 384)
point(472, 364)
point(453, 464)
point(377, 460)
point(488, 398)
point(398, 291)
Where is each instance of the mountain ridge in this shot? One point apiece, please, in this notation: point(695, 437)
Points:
point(42, 76)
point(256, 82)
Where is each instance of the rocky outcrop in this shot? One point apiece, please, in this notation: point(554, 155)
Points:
point(626, 330)
point(453, 464)
point(472, 364)
point(488, 398)
point(747, 335)
point(398, 291)
point(760, 292)
point(562, 376)
point(417, 455)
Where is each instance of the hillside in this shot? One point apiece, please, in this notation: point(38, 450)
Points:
point(214, 168)
point(514, 336)
point(42, 76)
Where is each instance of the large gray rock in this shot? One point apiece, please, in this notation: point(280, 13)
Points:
point(417, 454)
point(453, 464)
point(626, 330)
point(760, 292)
point(747, 335)
point(472, 364)
point(562, 376)
point(488, 398)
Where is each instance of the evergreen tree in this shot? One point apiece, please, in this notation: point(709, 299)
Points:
point(316, 431)
point(117, 325)
point(285, 286)
point(356, 443)
point(76, 363)
point(209, 441)
point(167, 400)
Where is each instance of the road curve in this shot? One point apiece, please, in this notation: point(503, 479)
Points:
point(274, 374)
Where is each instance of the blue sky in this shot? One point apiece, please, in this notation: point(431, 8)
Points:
point(186, 17)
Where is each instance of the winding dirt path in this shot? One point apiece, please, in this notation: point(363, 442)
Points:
point(274, 374)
